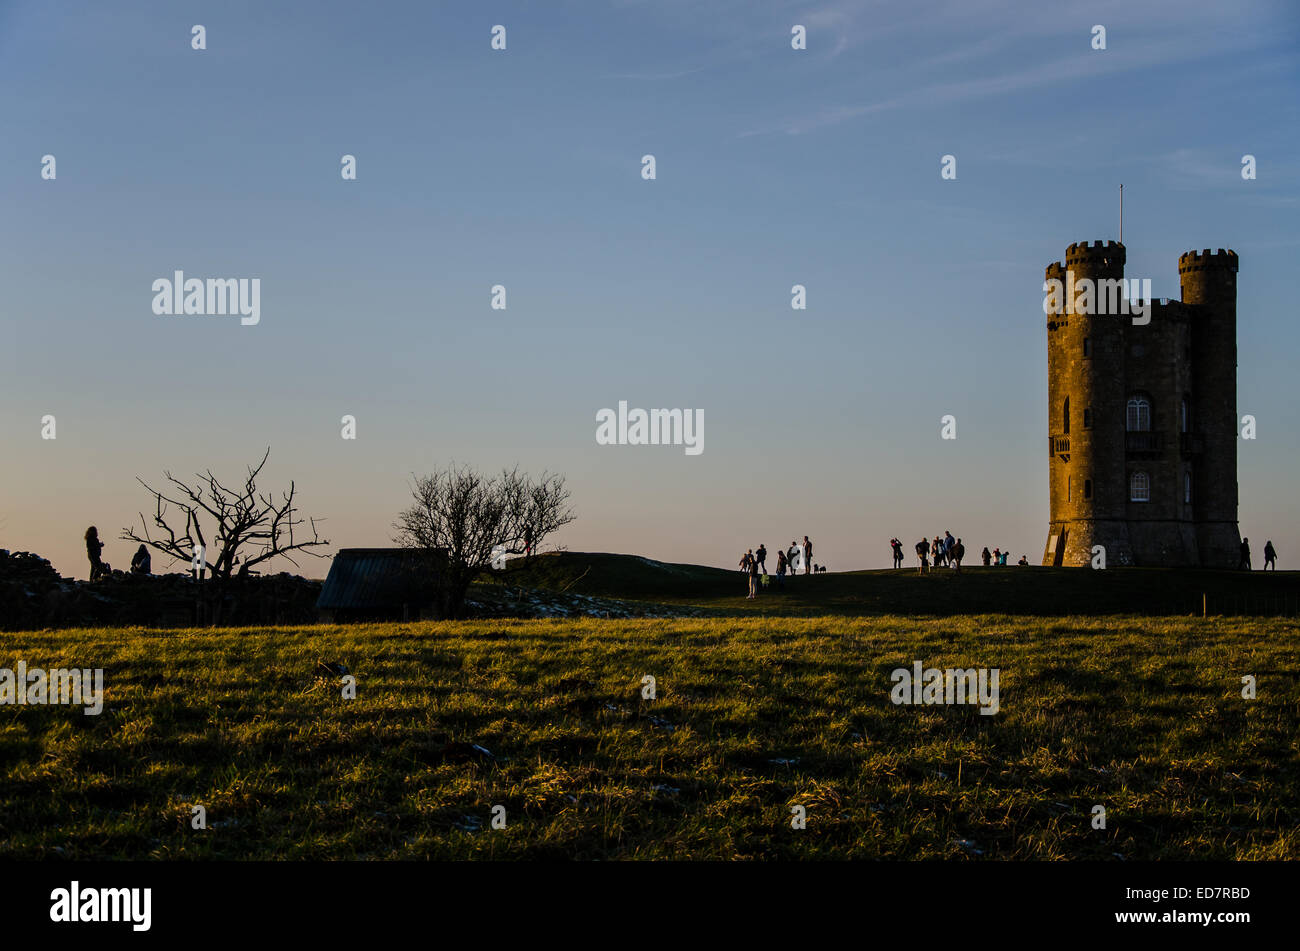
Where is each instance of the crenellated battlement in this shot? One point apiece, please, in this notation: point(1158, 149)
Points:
point(1169, 308)
point(1205, 260)
point(1103, 253)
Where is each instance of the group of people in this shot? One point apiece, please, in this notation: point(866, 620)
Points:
point(754, 564)
point(141, 563)
point(946, 551)
point(1270, 555)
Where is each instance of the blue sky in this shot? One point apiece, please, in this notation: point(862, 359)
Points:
point(522, 168)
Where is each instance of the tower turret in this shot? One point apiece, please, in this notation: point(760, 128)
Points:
point(1085, 355)
point(1209, 286)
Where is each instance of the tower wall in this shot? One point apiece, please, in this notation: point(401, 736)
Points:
point(1087, 482)
point(1157, 366)
point(1209, 285)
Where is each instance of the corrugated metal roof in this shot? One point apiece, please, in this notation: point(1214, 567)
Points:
point(373, 579)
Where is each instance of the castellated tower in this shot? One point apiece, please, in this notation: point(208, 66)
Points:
point(1142, 418)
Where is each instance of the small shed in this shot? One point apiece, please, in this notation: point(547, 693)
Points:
point(380, 584)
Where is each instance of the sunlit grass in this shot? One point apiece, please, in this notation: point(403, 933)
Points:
point(1143, 716)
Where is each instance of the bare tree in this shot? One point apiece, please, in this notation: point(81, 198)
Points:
point(465, 517)
point(541, 509)
point(239, 519)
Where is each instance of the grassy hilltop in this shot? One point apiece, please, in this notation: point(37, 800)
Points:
point(1055, 592)
point(752, 716)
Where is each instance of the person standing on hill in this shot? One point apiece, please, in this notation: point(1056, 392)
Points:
point(897, 548)
point(761, 556)
point(985, 556)
point(791, 558)
point(807, 556)
point(753, 577)
point(958, 553)
point(1245, 554)
point(1270, 555)
point(781, 565)
point(922, 549)
point(94, 548)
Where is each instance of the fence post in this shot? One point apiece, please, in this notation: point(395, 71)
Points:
point(1205, 610)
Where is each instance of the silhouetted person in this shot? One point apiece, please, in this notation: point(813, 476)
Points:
point(958, 553)
point(985, 556)
point(807, 556)
point(1024, 561)
point(781, 565)
point(761, 557)
point(94, 547)
point(922, 549)
point(897, 547)
point(1245, 554)
point(141, 563)
point(1270, 555)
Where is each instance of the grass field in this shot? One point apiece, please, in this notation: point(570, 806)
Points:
point(752, 717)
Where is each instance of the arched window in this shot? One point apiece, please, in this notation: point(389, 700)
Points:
point(1139, 487)
point(1139, 415)
point(1187, 487)
point(1066, 417)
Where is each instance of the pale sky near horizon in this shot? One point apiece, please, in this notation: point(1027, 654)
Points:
point(523, 168)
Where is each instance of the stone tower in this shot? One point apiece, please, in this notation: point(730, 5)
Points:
point(1142, 414)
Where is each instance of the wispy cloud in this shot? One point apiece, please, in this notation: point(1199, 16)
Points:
point(1084, 65)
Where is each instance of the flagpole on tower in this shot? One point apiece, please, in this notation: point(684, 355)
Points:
point(1121, 214)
